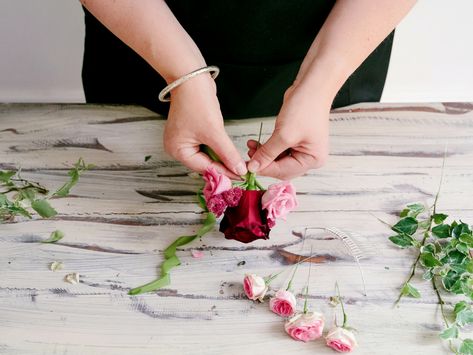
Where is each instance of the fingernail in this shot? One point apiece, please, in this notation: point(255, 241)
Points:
point(253, 166)
point(240, 169)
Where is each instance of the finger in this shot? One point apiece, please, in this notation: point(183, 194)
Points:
point(267, 153)
point(252, 144)
point(287, 152)
point(227, 152)
point(290, 166)
point(199, 161)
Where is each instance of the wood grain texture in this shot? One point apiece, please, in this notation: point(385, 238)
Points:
point(124, 212)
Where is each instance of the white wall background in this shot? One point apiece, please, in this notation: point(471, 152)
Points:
point(41, 45)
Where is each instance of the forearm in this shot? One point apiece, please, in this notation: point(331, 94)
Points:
point(150, 28)
point(352, 31)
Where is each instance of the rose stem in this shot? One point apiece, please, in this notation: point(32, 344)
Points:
point(428, 230)
point(307, 286)
point(341, 304)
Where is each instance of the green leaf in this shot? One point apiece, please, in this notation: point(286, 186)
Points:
point(406, 225)
point(402, 240)
point(467, 239)
point(167, 265)
point(428, 275)
point(441, 231)
point(464, 317)
point(54, 237)
point(467, 347)
point(469, 266)
point(439, 218)
point(412, 210)
point(74, 175)
point(409, 290)
point(460, 229)
point(6, 175)
point(151, 286)
point(424, 224)
point(43, 208)
point(429, 260)
point(460, 306)
point(463, 248)
point(450, 333)
point(148, 157)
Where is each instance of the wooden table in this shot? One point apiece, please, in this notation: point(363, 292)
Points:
point(125, 211)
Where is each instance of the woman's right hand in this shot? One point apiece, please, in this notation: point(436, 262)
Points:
point(194, 119)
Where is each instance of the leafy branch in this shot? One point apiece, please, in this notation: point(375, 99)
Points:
point(18, 196)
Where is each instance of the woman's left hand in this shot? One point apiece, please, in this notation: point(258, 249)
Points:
point(300, 140)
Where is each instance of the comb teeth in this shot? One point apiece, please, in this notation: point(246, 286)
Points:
point(349, 244)
point(348, 241)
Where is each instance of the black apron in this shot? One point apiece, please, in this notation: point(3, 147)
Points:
point(258, 45)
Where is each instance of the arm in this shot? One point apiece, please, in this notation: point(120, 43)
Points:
point(150, 29)
point(351, 32)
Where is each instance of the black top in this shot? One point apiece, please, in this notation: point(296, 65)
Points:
point(258, 45)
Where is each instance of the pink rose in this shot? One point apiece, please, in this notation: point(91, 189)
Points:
point(283, 303)
point(305, 326)
point(341, 340)
point(215, 183)
point(255, 287)
point(279, 200)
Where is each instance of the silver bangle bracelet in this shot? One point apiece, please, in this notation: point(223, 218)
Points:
point(164, 92)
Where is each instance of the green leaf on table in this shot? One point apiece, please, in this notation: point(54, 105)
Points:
point(6, 175)
point(151, 286)
point(406, 225)
point(148, 157)
point(429, 260)
point(43, 208)
point(403, 240)
point(54, 237)
point(74, 175)
point(439, 218)
point(441, 231)
point(449, 333)
point(464, 317)
point(467, 347)
point(409, 290)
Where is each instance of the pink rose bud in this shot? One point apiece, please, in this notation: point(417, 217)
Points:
point(217, 205)
point(279, 200)
point(305, 326)
point(341, 340)
point(283, 303)
point(232, 196)
point(215, 183)
point(255, 287)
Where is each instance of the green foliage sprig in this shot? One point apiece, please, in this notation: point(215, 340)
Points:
point(18, 196)
point(444, 253)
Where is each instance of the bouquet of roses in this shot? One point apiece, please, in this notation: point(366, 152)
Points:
point(249, 212)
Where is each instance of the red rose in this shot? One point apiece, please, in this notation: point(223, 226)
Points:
point(247, 221)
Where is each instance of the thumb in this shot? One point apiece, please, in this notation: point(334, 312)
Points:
point(227, 152)
point(267, 153)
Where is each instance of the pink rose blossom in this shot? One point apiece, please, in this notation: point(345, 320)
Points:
point(255, 287)
point(279, 200)
point(305, 326)
point(216, 204)
point(232, 196)
point(341, 340)
point(215, 183)
point(283, 303)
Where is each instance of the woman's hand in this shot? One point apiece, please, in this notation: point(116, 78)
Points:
point(300, 139)
point(194, 119)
